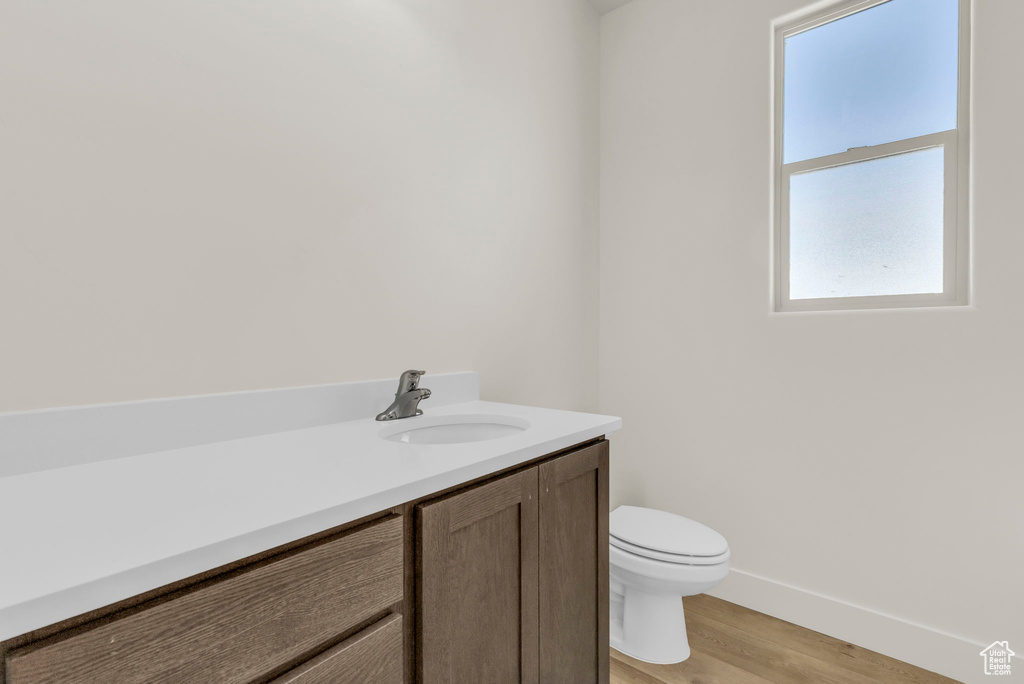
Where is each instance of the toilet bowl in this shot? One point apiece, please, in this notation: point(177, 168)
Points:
point(655, 559)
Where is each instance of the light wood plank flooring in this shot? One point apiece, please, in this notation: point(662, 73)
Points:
point(735, 645)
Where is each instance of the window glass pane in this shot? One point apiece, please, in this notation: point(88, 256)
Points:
point(885, 74)
point(869, 228)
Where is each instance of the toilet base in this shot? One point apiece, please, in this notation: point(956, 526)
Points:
point(649, 627)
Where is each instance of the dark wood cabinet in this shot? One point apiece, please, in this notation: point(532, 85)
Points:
point(478, 584)
point(573, 587)
point(502, 580)
point(513, 577)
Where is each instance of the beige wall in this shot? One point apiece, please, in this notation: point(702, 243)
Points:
point(210, 196)
point(875, 458)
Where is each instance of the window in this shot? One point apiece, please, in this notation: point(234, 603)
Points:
point(871, 156)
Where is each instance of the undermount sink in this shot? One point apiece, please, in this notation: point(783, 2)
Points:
point(453, 429)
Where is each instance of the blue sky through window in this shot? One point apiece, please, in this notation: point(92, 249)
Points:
point(884, 74)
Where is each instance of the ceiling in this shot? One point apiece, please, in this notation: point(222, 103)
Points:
point(606, 6)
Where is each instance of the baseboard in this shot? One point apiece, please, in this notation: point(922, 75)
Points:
point(928, 648)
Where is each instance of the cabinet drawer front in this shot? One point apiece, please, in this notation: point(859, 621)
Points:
point(235, 629)
point(373, 656)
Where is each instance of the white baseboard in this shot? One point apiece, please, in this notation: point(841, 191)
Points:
point(928, 648)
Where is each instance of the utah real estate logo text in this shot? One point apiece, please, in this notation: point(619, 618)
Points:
point(997, 658)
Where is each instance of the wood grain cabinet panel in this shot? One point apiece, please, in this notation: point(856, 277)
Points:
point(478, 584)
point(514, 577)
point(373, 656)
point(573, 587)
point(237, 629)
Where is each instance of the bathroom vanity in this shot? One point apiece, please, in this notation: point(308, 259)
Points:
point(496, 572)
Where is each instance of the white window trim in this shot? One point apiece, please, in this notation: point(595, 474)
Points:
point(956, 236)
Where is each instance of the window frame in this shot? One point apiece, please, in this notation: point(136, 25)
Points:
point(956, 215)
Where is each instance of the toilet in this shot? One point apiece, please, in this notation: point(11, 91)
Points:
point(655, 559)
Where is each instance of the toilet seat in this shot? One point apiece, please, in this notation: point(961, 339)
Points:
point(668, 557)
point(667, 537)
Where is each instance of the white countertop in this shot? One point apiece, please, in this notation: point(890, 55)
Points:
point(78, 538)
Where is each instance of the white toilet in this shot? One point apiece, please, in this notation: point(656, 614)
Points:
point(656, 558)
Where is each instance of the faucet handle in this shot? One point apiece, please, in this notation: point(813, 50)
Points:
point(410, 380)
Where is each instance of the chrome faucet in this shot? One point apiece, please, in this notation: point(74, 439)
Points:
point(407, 398)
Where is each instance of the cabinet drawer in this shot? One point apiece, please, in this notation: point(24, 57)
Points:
point(373, 656)
point(236, 629)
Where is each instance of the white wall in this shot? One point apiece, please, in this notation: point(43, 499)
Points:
point(212, 196)
point(605, 6)
point(873, 458)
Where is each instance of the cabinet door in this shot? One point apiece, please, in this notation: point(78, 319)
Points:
point(478, 584)
point(573, 587)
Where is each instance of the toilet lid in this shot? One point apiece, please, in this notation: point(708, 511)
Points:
point(675, 558)
point(665, 532)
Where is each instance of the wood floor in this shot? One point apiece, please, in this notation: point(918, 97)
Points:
point(735, 645)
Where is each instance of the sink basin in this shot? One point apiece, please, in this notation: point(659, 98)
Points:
point(453, 429)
